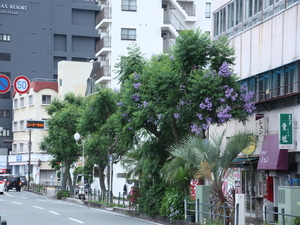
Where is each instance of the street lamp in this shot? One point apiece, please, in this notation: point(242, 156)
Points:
point(77, 137)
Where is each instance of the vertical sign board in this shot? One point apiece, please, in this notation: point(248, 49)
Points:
point(3, 163)
point(286, 140)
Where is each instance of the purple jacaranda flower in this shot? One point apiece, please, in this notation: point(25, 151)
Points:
point(137, 85)
point(124, 114)
point(171, 57)
point(181, 87)
point(224, 115)
point(145, 103)
point(159, 116)
point(222, 100)
point(176, 115)
point(136, 76)
point(205, 126)
point(120, 103)
point(195, 129)
point(200, 116)
point(209, 120)
point(136, 97)
point(181, 102)
point(224, 70)
point(116, 90)
point(202, 106)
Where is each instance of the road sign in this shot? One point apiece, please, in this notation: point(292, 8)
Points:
point(21, 84)
point(4, 83)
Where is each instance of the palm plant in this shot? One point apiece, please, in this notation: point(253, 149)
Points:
point(210, 159)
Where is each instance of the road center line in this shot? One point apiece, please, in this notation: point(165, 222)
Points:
point(78, 221)
point(19, 203)
point(34, 206)
point(54, 212)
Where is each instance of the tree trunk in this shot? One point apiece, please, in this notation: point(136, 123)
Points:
point(102, 177)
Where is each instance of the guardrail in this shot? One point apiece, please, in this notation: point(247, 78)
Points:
point(284, 217)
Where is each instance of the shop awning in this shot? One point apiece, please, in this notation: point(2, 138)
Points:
point(271, 157)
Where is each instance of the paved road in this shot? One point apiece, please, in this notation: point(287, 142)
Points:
point(29, 208)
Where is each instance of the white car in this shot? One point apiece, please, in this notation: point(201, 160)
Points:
point(2, 181)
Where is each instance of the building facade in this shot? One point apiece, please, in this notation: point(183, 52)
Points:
point(265, 35)
point(34, 37)
point(151, 25)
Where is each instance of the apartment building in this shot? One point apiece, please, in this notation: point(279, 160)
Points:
point(31, 106)
point(152, 25)
point(34, 37)
point(265, 35)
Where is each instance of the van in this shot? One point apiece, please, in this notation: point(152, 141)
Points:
point(13, 183)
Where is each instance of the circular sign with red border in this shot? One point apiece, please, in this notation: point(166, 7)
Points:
point(4, 83)
point(21, 84)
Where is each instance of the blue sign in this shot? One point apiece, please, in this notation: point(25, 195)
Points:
point(4, 83)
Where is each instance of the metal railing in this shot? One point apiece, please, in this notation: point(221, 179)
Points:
point(213, 212)
point(285, 218)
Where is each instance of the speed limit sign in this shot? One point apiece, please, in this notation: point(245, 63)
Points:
point(21, 84)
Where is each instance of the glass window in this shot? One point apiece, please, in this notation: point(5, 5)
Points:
point(46, 99)
point(15, 126)
point(257, 6)
point(230, 16)
point(268, 3)
point(21, 147)
point(30, 100)
point(248, 9)
point(4, 113)
point(128, 34)
point(15, 103)
point(275, 83)
point(207, 10)
point(129, 5)
point(22, 103)
point(239, 11)
point(289, 73)
point(216, 23)
point(4, 132)
point(222, 20)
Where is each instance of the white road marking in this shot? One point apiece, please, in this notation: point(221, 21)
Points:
point(1, 200)
point(54, 212)
point(43, 200)
point(78, 221)
point(19, 203)
point(24, 197)
point(34, 206)
point(9, 195)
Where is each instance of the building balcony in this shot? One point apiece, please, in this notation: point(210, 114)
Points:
point(103, 74)
point(277, 93)
point(103, 18)
point(103, 46)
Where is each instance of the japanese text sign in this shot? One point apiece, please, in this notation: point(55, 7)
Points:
point(286, 140)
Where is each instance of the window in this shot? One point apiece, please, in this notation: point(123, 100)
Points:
point(15, 103)
point(207, 10)
point(30, 100)
point(22, 103)
point(4, 57)
point(4, 132)
point(21, 147)
point(230, 16)
point(4, 37)
point(46, 99)
point(14, 148)
point(129, 5)
point(128, 34)
point(289, 72)
point(268, 3)
point(239, 11)
point(22, 125)
point(15, 126)
point(4, 113)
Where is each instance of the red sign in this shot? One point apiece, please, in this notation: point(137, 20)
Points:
point(2, 170)
point(193, 184)
point(4, 83)
point(35, 124)
point(21, 84)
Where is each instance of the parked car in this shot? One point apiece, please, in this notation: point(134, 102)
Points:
point(13, 183)
point(2, 181)
point(24, 181)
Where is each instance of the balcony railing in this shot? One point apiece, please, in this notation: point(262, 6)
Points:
point(105, 13)
point(276, 93)
point(104, 71)
point(104, 42)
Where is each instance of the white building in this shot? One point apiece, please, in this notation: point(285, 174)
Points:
point(72, 77)
point(152, 25)
point(266, 38)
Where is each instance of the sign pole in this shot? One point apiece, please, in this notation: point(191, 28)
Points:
point(29, 158)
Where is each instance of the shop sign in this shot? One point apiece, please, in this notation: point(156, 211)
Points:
point(286, 140)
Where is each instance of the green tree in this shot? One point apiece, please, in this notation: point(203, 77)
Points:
point(178, 93)
point(99, 124)
point(59, 141)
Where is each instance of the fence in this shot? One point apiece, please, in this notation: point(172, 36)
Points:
point(223, 212)
point(285, 218)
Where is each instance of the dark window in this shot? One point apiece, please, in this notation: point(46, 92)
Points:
point(4, 113)
point(129, 5)
point(46, 99)
point(5, 95)
point(4, 57)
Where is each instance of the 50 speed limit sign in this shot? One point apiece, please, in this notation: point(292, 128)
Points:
point(21, 84)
